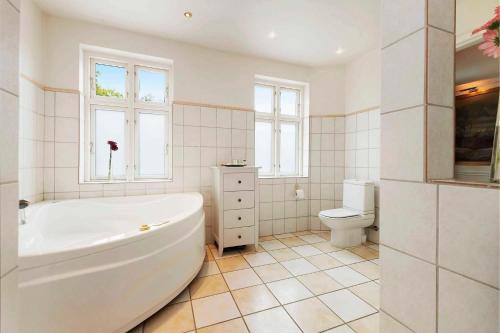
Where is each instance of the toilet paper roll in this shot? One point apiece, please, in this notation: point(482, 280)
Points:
point(299, 194)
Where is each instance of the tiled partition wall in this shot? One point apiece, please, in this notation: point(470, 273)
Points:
point(440, 243)
point(9, 172)
point(31, 140)
point(362, 154)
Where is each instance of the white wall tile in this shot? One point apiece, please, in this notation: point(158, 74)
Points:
point(402, 138)
point(9, 44)
point(192, 156)
point(408, 217)
point(469, 231)
point(224, 118)
point(238, 138)
point(208, 156)
point(192, 116)
point(67, 129)
point(408, 291)
point(178, 135)
point(316, 125)
point(208, 137)
point(339, 124)
point(403, 71)
point(192, 136)
point(67, 105)
point(374, 119)
point(66, 155)
point(239, 119)
point(8, 136)
point(327, 141)
point(327, 125)
point(250, 120)
point(362, 121)
point(466, 306)
point(178, 114)
point(362, 139)
point(223, 137)
point(440, 68)
point(362, 158)
point(350, 123)
point(208, 117)
point(66, 180)
point(395, 25)
point(8, 226)
point(440, 142)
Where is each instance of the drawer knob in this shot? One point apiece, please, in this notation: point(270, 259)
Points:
point(239, 236)
point(239, 218)
point(239, 181)
point(239, 200)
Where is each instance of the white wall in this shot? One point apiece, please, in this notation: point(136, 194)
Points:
point(200, 74)
point(327, 90)
point(362, 82)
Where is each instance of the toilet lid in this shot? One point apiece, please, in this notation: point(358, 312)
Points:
point(338, 213)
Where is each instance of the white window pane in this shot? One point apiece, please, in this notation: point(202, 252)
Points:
point(152, 144)
point(152, 85)
point(263, 147)
point(109, 126)
point(289, 102)
point(288, 149)
point(110, 81)
point(264, 99)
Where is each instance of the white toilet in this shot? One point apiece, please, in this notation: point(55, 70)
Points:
point(358, 212)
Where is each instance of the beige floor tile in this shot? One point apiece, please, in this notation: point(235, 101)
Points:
point(346, 257)
point(209, 268)
point(369, 292)
point(306, 250)
point(259, 259)
point(340, 329)
point(324, 261)
point(365, 252)
point(272, 245)
point(280, 236)
point(232, 263)
point(274, 320)
point(251, 249)
point(226, 254)
point(368, 269)
point(176, 318)
point(311, 239)
point(242, 279)
point(208, 255)
point(232, 326)
point(302, 233)
point(184, 296)
point(214, 309)
point(293, 241)
point(289, 290)
point(347, 276)
point(346, 305)
point(312, 315)
point(299, 266)
point(319, 283)
point(368, 324)
point(284, 254)
point(273, 272)
point(253, 299)
point(326, 247)
point(266, 238)
point(208, 285)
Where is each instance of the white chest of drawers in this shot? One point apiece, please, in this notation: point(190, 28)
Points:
point(235, 196)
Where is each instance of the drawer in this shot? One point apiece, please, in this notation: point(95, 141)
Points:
point(239, 236)
point(239, 218)
point(238, 200)
point(239, 181)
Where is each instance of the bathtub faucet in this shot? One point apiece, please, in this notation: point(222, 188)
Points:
point(23, 204)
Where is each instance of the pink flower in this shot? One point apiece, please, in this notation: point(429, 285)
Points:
point(491, 45)
point(113, 145)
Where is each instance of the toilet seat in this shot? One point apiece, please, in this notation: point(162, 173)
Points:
point(338, 213)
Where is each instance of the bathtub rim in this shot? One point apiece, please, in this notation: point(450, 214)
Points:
point(31, 261)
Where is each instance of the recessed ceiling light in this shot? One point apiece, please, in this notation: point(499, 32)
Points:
point(339, 50)
point(271, 35)
point(188, 14)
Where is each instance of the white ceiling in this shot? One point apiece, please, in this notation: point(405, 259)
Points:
point(307, 32)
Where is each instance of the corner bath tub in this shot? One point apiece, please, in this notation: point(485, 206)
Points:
point(85, 266)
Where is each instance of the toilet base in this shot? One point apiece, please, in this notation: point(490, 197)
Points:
point(347, 237)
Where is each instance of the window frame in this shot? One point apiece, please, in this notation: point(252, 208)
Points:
point(277, 118)
point(132, 107)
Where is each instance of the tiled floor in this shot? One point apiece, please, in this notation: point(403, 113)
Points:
point(293, 283)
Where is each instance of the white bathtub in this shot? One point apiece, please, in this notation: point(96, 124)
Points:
point(84, 266)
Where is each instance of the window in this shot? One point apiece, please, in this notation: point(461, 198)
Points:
point(126, 101)
point(278, 128)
